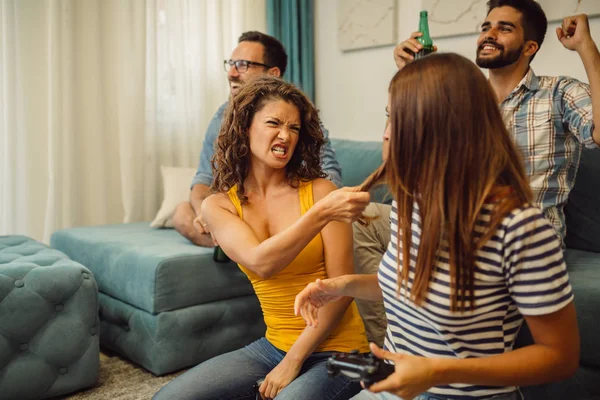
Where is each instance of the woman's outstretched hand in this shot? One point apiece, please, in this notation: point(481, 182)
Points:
point(344, 205)
point(316, 295)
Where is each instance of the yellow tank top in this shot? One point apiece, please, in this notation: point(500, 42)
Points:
point(277, 294)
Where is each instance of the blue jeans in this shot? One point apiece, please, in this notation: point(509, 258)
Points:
point(233, 375)
point(366, 395)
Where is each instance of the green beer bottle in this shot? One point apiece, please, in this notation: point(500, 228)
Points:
point(425, 40)
point(219, 255)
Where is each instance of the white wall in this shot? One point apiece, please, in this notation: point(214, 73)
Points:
point(352, 86)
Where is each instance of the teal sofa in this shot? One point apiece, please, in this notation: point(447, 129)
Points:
point(166, 305)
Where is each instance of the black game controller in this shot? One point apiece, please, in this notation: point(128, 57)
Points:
point(359, 367)
point(256, 387)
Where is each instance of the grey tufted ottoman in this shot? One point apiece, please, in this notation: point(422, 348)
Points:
point(48, 321)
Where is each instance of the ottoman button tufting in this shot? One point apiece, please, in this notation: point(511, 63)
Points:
point(45, 309)
point(85, 275)
point(93, 331)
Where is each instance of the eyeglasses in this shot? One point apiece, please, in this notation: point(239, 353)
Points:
point(241, 65)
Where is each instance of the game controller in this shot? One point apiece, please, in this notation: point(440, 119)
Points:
point(359, 367)
point(256, 387)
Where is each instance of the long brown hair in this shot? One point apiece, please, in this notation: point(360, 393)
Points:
point(231, 160)
point(451, 154)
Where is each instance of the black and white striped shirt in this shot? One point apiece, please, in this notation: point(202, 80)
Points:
point(520, 271)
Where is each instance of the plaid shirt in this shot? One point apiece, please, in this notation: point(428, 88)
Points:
point(550, 118)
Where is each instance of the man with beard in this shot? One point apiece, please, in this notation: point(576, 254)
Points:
point(550, 118)
point(256, 54)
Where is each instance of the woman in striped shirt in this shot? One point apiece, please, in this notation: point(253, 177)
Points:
point(469, 258)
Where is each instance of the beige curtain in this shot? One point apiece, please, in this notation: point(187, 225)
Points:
point(96, 94)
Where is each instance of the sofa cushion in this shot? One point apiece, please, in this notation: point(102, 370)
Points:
point(581, 386)
point(180, 338)
point(358, 160)
point(583, 209)
point(155, 270)
point(584, 274)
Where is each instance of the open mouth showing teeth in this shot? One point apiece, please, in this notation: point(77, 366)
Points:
point(278, 150)
point(489, 47)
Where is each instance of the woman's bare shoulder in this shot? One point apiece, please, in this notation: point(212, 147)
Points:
point(220, 200)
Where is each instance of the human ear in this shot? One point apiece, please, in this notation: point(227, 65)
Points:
point(275, 71)
point(531, 47)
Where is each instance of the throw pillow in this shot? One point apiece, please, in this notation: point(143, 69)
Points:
point(176, 189)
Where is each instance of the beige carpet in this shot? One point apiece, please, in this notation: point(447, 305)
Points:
point(120, 379)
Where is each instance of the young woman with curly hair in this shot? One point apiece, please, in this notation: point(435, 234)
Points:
point(274, 214)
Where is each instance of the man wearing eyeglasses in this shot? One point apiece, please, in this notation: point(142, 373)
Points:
point(256, 54)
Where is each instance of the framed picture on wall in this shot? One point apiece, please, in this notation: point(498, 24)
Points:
point(460, 17)
point(366, 23)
